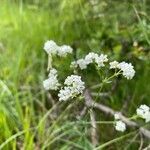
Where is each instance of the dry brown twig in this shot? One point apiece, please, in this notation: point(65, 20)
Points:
point(90, 103)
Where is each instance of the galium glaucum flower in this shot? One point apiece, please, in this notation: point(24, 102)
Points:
point(76, 82)
point(114, 64)
point(101, 59)
point(144, 112)
point(74, 86)
point(90, 58)
point(116, 116)
point(120, 126)
point(82, 64)
point(51, 47)
point(65, 94)
point(52, 82)
point(64, 50)
point(127, 70)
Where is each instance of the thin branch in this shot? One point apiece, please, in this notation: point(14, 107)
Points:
point(90, 103)
point(94, 135)
point(141, 143)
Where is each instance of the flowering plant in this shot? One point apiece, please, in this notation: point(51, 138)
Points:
point(74, 85)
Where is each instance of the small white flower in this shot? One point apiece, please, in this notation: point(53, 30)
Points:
point(114, 64)
point(53, 72)
point(74, 86)
point(147, 116)
point(64, 50)
point(76, 82)
point(52, 82)
point(51, 47)
point(120, 126)
point(82, 64)
point(100, 60)
point(65, 94)
point(117, 116)
point(144, 112)
point(127, 70)
point(46, 84)
point(90, 58)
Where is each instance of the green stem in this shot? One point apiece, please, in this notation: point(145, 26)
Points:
point(114, 141)
point(49, 62)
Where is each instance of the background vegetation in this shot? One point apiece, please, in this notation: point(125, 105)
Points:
point(30, 118)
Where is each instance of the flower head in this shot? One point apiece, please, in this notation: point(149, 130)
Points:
point(101, 59)
point(113, 64)
point(144, 112)
point(77, 85)
point(82, 64)
point(90, 58)
point(74, 86)
point(120, 126)
point(52, 82)
point(64, 50)
point(53, 72)
point(65, 94)
point(51, 47)
point(127, 70)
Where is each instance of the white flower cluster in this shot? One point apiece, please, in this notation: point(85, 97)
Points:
point(52, 82)
point(144, 112)
point(90, 58)
point(74, 86)
point(126, 68)
point(119, 125)
point(52, 48)
point(114, 64)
